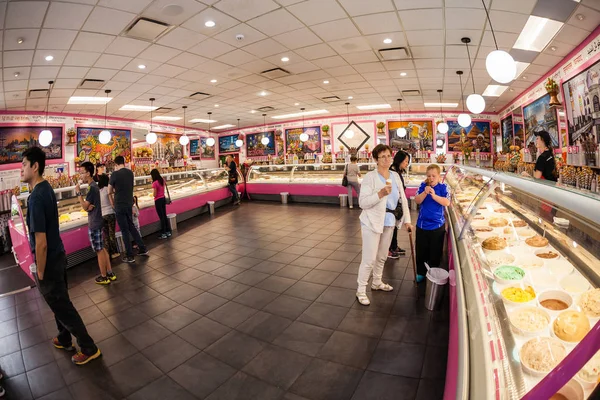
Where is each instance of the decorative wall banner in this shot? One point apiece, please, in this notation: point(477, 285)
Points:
point(519, 135)
point(206, 152)
point(539, 116)
point(476, 136)
point(507, 133)
point(582, 105)
point(227, 144)
point(90, 149)
point(14, 140)
point(254, 146)
point(195, 148)
point(419, 134)
point(293, 144)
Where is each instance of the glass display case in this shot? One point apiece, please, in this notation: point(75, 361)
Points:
point(529, 275)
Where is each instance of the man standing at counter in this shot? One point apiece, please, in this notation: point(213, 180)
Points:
point(231, 167)
point(51, 259)
point(120, 193)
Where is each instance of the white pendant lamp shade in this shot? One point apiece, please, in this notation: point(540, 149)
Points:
point(184, 140)
point(265, 141)
point(439, 143)
point(475, 103)
point(442, 127)
point(349, 134)
point(304, 137)
point(402, 132)
point(104, 136)
point(464, 120)
point(45, 138)
point(501, 66)
point(210, 141)
point(239, 143)
point(151, 138)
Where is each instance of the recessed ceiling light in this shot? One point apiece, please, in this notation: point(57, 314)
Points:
point(552, 48)
point(494, 90)
point(209, 24)
point(263, 93)
point(285, 59)
point(17, 74)
point(300, 114)
point(216, 105)
point(580, 17)
point(350, 97)
point(141, 66)
point(387, 41)
point(537, 33)
point(213, 81)
point(166, 118)
point(20, 40)
point(438, 105)
point(524, 77)
point(373, 106)
point(326, 82)
point(89, 100)
point(296, 104)
point(252, 111)
point(132, 107)
point(403, 74)
point(224, 126)
point(49, 58)
point(204, 121)
point(511, 90)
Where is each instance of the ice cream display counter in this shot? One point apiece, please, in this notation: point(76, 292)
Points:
point(525, 301)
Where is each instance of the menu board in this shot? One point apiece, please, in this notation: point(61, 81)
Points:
point(227, 144)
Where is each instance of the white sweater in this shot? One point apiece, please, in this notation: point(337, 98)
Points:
point(373, 214)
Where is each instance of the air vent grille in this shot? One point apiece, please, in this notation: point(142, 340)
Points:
point(199, 96)
point(163, 110)
point(413, 92)
point(147, 29)
point(331, 99)
point(266, 109)
point(275, 73)
point(396, 53)
point(38, 93)
point(91, 84)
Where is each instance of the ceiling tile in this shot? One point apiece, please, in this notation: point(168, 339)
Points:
point(413, 20)
point(236, 57)
point(99, 73)
point(81, 58)
point(276, 22)
point(360, 57)
point(133, 6)
point(571, 35)
point(67, 15)
point(562, 49)
point(123, 46)
point(361, 7)
point(246, 10)
point(518, 6)
point(44, 72)
point(172, 12)
point(266, 48)
point(417, 4)
point(378, 23)
point(352, 45)
point(67, 83)
point(8, 74)
point(330, 62)
point(505, 40)
point(340, 29)
point(427, 51)
point(126, 76)
point(73, 72)
point(591, 3)
point(25, 14)
point(465, 18)
point(187, 60)
point(229, 36)
point(557, 10)
point(212, 67)
point(376, 41)
point(152, 79)
point(109, 21)
point(298, 38)
point(316, 51)
point(313, 12)
point(222, 21)
point(87, 41)
point(181, 38)
point(432, 37)
point(508, 21)
point(29, 36)
point(112, 61)
point(211, 48)
point(591, 18)
point(56, 39)
point(159, 53)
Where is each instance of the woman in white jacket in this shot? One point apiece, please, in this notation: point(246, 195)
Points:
point(381, 190)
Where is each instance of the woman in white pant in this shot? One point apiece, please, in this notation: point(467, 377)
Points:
point(381, 192)
point(353, 173)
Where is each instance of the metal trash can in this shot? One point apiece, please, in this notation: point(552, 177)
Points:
point(284, 197)
point(120, 242)
point(211, 207)
point(413, 204)
point(172, 218)
point(437, 279)
point(343, 200)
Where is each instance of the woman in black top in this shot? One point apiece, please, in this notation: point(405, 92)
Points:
point(545, 166)
point(400, 163)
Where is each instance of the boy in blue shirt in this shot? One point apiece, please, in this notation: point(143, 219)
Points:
point(433, 196)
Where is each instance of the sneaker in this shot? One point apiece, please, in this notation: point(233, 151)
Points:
point(82, 359)
point(169, 234)
point(144, 254)
point(57, 344)
point(400, 251)
point(115, 255)
point(102, 280)
point(393, 254)
point(163, 236)
point(420, 278)
point(111, 275)
point(129, 260)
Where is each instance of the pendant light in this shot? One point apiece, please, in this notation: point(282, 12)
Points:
point(349, 134)
point(265, 139)
point(442, 126)
point(239, 142)
point(303, 135)
point(151, 137)
point(402, 130)
point(105, 136)
point(464, 119)
point(184, 139)
point(45, 137)
point(499, 64)
point(211, 140)
point(475, 102)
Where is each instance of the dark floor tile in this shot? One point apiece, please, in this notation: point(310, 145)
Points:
point(45, 380)
point(183, 293)
point(353, 268)
point(203, 332)
point(32, 336)
point(323, 315)
point(146, 334)
point(140, 295)
point(17, 387)
point(398, 359)
point(328, 245)
point(250, 277)
point(292, 396)
point(12, 365)
point(438, 333)
point(263, 254)
point(306, 261)
point(268, 267)
point(61, 394)
point(128, 319)
point(156, 306)
point(276, 284)
point(287, 306)
point(205, 303)
point(8, 327)
point(283, 257)
point(170, 352)
point(363, 323)
point(208, 265)
point(228, 271)
point(376, 386)
point(297, 250)
point(187, 275)
point(279, 367)
point(115, 349)
point(246, 262)
point(255, 298)
point(324, 380)
point(91, 389)
point(29, 320)
point(320, 277)
point(306, 290)
point(207, 281)
point(202, 374)
point(8, 314)
point(338, 296)
point(101, 330)
point(304, 338)
point(162, 389)
point(395, 329)
point(232, 314)
point(408, 289)
point(409, 307)
point(264, 326)
point(341, 255)
point(336, 349)
point(347, 281)
point(417, 332)
point(133, 373)
point(293, 272)
point(430, 390)
point(242, 386)
point(176, 318)
point(434, 366)
point(229, 289)
point(332, 265)
point(235, 349)
point(38, 355)
point(114, 305)
point(226, 258)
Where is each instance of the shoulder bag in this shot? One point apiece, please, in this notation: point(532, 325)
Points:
point(345, 178)
point(168, 198)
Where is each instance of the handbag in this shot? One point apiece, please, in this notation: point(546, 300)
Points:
point(345, 178)
point(168, 199)
point(398, 211)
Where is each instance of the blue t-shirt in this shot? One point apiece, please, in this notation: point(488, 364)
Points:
point(391, 201)
point(431, 215)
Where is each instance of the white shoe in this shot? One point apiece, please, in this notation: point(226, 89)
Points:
point(363, 299)
point(382, 286)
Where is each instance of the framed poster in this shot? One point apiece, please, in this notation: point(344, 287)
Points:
point(227, 144)
point(254, 146)
point(419, 134)
point(90, 149)
point(507, 133)
point(206, 152)
point(195, 148)
point(519, 135)
point(538, 116)
point(582, 105)
point(476, 136)
point(167, 147)
point(293, 144)
point(14, 140)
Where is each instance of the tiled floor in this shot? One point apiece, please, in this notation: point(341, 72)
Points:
point(255, 303)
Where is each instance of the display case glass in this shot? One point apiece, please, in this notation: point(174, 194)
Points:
point(529, 259)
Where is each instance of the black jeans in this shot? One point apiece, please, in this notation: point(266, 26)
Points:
point(429, 248)
point(68, 321)
point(161, 210)
point(125, 221)
point(233, 189)
point(394, 242)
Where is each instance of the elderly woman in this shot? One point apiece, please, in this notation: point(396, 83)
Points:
point(384, 206)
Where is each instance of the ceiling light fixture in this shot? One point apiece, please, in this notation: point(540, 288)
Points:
point(402, 131)
point(213, 81)
point(252, 111)
point(45, 137)
point(216, 105)
point(265, 139)
point(184, 139)
point(285, 59)
point(374, 107)
point(49, 58)
point(580, 17)
point(475, 102)
point(17, 74)
point(437, 104)
point(494, 90)
point(151, 137)
point(537, 33)
point(89, 100)
point(303, 135)
point(263, 93)
point(300, 114)
point(209, 24)
point(166, 118)
point(296, 104)
point(464, 119)
point(211, 140)
point(387, 40)
point(442, 127)
point(350, 97)
point(325, 82)
point(141, 66)
point(201, 120)
point(20, 40)
point(224, 126)
point(105, 136)
point(349, 133)
point(131, 107)
point(403, 73)
point(499, 64)
point(239, 142)
point(553, 48)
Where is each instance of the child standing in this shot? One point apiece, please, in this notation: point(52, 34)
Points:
point(433, 196)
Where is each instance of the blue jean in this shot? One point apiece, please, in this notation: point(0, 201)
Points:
point(233, 189)
point(125, 221)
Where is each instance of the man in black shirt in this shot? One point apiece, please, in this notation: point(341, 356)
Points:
point(545, 165)
point(120, 190)
point(233, 178)
point(51, 259)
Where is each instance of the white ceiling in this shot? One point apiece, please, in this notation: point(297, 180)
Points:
point(334, 40)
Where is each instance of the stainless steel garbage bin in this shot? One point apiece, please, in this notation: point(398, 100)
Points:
point(211, 207)
point(284, 197)
point(437, 279)
point(343, 200)
point(172, 218)
point(120, 242)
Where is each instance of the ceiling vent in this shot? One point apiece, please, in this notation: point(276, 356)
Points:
point(163, 110)
point(147, 29)
point(266, 109)
point(275, 73)
point(199, 96)
point(413, 92)
point(396, 53)
point(91, 84)
point(38, 93)
point(331, 99)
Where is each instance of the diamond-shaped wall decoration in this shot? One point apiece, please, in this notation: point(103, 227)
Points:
point(359, 139)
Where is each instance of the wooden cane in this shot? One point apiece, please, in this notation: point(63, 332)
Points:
point(413, 257)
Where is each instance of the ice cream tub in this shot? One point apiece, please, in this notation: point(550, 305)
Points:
point(508, 274)
point(574, 284)
point(571, 391)
point(529, 321)
point(540, 355)
point(555, 301)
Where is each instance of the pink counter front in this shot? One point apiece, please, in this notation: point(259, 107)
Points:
point(309, 190)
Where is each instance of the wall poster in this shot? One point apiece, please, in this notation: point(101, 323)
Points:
point(519, 134)
point(507, 133)
point(167, 147)
point(206, 152)
point(195, 148)
point(538, 116)
point(293, 144)
point(476, 136)
point(227, 144)
point(14, 140)
point(254, 146)
point(419, 135)
point(90, 149)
